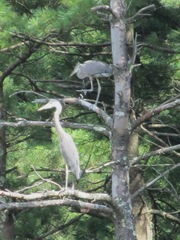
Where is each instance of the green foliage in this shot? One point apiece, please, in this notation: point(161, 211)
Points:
point(33, 153)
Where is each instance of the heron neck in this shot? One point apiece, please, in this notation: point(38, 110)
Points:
point(58, 127)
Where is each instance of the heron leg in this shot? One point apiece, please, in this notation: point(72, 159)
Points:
point(99, 91)
point(67, 172)
point(87, 90)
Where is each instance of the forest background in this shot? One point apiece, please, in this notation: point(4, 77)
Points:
point(40, 43)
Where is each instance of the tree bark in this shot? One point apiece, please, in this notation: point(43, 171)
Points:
point(124, 224)
point(141, 208)
point(6, 219)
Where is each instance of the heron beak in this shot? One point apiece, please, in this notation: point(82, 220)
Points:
point(73, 72)
point(44, 107)
point(75, 69)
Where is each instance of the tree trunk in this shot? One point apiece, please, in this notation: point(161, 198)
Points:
point(143, 219)
point(6, 219)
point(124, 224)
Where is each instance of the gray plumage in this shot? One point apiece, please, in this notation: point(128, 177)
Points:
point(93, 69)
point(67, 145)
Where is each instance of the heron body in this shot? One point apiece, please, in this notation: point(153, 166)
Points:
point(67, 145)
point(93, 69)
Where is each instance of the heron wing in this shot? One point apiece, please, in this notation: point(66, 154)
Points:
point(97, 68)
point(70, 154)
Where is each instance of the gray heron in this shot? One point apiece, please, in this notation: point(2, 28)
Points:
point(93, 69)
point(67, 145)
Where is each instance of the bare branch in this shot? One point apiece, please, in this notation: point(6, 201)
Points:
point(81, 206)
point(154, 112)
point(46, 180)
point(58, 194)
point(155, 125)
point(61, 227)
point(141, 13)
point(164, 215)
point(154, 153)
point(60, 43)
point(108, 120)
point(24, 123)
point(87, 54)
point(159, 139)
point(104, 8)
point(155, 180)
point(166, 134)
point(10, 48)
point(159, 49)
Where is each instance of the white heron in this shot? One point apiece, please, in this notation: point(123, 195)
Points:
point(93, 69)
point(67, 145)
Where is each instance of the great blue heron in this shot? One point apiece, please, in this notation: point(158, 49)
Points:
point(67, 145)
point(93, 69)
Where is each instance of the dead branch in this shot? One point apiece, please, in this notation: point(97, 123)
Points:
point(155, 125)
point(159, 49)
point(60, 43)
point(46, 180)
point(154, 153)
point(87, 54)
point(152, 113)
point(164, 215)
point(158, 139)
point(81, 206)
point(108, 120)
point(61, 227)
point(10, 48)
point(166, 134)
point(155, 180)
point(58, 194)
point(24, 123)
point(104, 8)
point(141, 13)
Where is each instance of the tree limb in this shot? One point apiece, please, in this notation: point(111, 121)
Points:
point(10, 48)
point(141, 12)
point(58, 194)
point(154, 180)
point(81, 206)
point(24, 123)
point(60, 43)
point(154, 153)
point(108, 120)
point(154, 112)
point(61, 227)
point(164, 215)
point(104, 8)
point(159, 49)
point(158, 139)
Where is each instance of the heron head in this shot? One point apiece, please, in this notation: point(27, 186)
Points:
point(53, 103)
point(76, 69)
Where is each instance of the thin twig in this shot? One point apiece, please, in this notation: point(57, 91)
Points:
point(46, 180)
point(154, 180)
